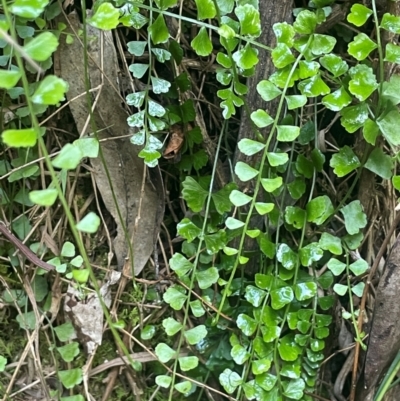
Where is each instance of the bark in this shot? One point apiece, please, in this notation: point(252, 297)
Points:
point(384, 337)
point(271, 12)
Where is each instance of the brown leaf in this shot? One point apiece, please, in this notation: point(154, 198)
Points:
point(86, 314)
point(140, 203)
point(175, 142)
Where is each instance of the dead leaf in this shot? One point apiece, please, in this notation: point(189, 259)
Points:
point(175, 142)
point(86, 313)
point(140, 205)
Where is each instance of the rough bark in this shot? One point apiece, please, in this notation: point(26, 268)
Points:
point(384, 337)
point(271, 12)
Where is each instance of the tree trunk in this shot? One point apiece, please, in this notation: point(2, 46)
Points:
point(271, 12)
point(384, 337)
